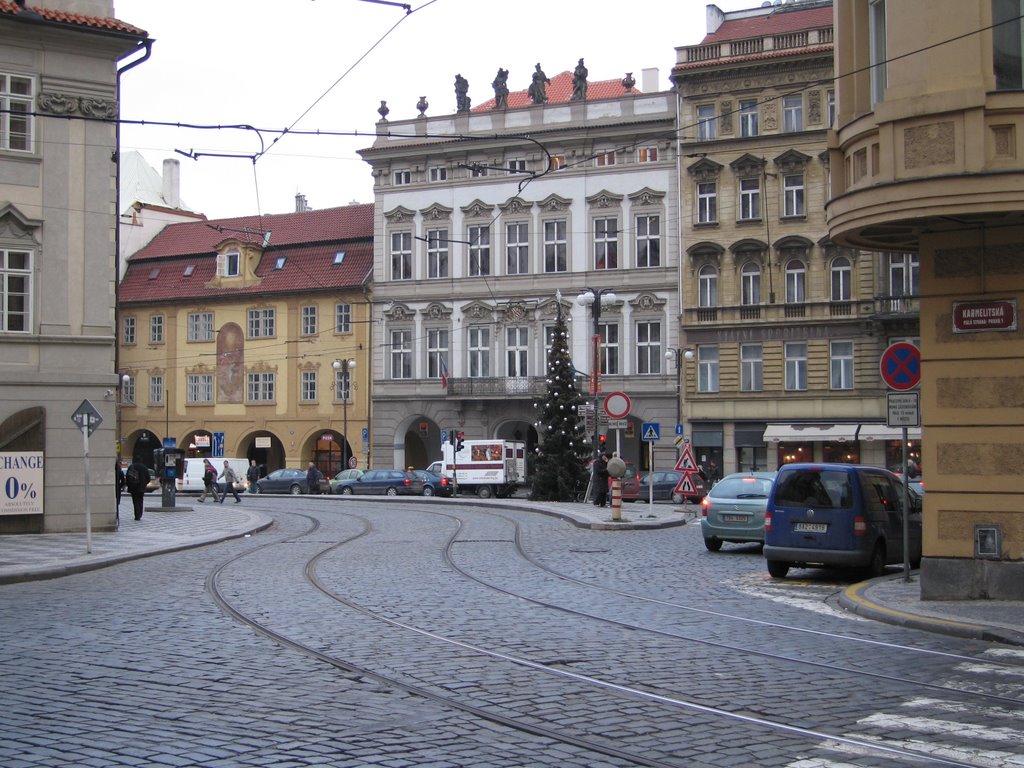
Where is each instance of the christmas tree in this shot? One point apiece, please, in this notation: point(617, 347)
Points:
point(560, 469)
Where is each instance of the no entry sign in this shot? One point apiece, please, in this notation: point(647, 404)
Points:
point(617, 405)
point(901, 366)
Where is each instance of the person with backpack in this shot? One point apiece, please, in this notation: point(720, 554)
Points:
point(209, 481)
point(135, 481)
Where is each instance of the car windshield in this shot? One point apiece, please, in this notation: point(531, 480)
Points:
point(742, 488)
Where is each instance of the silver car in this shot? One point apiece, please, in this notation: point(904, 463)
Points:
point(733, 509)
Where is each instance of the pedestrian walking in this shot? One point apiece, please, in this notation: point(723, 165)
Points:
point(209, 481)
point(118, 481)
point(601, 480)
point(135, 481)
point(252, 474)
point(312, 479)
point(230, 478)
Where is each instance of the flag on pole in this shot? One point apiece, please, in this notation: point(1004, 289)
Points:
point(444, 372)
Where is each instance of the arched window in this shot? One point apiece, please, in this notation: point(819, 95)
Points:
point(707, 286)
point(841, 274)
point(796, 281)
point(750, 282)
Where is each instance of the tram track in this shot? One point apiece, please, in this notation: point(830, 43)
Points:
point(669, 703)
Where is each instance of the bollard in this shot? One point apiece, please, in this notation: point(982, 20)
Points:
point(616, 499)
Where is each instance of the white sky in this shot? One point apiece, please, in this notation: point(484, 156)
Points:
point(265, 62)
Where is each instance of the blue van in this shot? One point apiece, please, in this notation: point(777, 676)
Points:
point(839, 516)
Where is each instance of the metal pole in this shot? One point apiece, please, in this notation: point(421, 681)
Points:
point(344, 410)
point(906, 512)
point(86, 424)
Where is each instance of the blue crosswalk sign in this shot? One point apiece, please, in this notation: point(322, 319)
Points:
point(651, 430)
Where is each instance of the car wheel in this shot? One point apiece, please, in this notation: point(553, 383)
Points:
point(258, 489)
point(346, 490)
point(295, 490)
point(484, 491)
point(713, 544)
point(392, 491)
point(777, 570)
point(677, 499)
point(428, 490)
point(876, 566)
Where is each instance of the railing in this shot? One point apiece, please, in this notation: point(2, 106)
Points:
point(750, 312)
point(795, 310)
point(497, 387)
point(704, 53)
point(840, 309)
point(707, 314)
point(801, 312)
point(791, 40)
point(747, 47)
point(897, 305)
point(754, 45)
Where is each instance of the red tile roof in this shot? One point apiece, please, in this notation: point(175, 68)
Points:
point(308, 241)
point(780, 21)
point(8, 8)
point(559, 90)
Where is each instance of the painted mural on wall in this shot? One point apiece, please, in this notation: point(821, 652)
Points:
point(230, 364)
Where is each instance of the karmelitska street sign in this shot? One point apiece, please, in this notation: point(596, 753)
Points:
point(976, 316)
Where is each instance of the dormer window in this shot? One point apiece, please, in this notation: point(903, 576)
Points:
point(279, 264)
point(232, 264)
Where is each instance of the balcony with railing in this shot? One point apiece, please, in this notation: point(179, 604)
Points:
point(783, 313)
point(754, 46)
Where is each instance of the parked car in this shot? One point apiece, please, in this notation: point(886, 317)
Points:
point(433, 485)
point(733, 509)
point(665, 483)
point(388, 482)
point(345, 474)
point(284, 481)
point(838, 516)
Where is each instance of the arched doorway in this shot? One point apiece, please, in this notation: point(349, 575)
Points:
point(145, 443)
point(331, 453)
point(265, 449)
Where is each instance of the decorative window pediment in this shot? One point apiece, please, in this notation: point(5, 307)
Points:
point(198, 370)
point(436, 212)
point(549, 309)
point(478, 209)
point(793, 243)
point(791, 161)
point(605, 199)
point(749, 249)
point(704, 253)
point(517, 311)
point(647, 302)
point(647, 197)
point(399, 312)
point(705, 170)
point(478, 311)
point(399, 215)
point(435, 310)
point(14, 225)
point(515, 206)
point(748, 165)
point(555, 204)
point(262, 366)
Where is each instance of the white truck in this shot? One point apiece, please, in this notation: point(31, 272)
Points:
point(484, 467)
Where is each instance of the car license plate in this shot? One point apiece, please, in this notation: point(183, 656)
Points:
point(811, 527)
point(734, 518)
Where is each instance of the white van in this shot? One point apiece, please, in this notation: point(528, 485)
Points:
point(192, 478)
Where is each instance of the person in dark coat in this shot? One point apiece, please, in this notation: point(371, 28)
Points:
point(118, 481)
point(135, 480)
point(209, 481)
point(312, 479)
point(252, 474)
point(601, 480)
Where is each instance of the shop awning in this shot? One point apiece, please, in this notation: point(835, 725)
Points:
point(802, 433)
point(882, 432)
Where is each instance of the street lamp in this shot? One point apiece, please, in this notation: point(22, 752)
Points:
point(678, 355)
point(594, 297)
point(344, 366)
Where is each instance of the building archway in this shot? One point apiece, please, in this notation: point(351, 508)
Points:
point(265, 449)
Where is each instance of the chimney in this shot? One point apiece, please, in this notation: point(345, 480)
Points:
point(649, 80)
point(172, 183)
point(301, 206)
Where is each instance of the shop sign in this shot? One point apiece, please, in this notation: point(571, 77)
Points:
point(21, 475)
point(976, 316)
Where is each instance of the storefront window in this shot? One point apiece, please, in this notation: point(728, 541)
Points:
point(751, 459)
point(840, 453)
point(788, 453)
point(894, 454)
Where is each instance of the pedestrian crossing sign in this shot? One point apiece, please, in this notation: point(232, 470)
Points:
point(651, 431)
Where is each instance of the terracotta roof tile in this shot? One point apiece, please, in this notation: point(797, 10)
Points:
point(559, 90)
point(778, 22)
point(8, 8)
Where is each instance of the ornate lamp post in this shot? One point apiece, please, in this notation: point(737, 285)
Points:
point(593, 297)
point(678, 355)
point(345, 382)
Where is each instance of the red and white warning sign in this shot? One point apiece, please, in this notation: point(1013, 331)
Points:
point(686, 465)
point(686, 462)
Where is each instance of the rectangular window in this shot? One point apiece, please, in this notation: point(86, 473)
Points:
point(260, 387)
point(17, 103)
point(707, 287)
point(707, 202)
point(517, 166)
point(605, 159)
point(309, 320)
point(437, 253)
point(841, 364)
point(16, 291)
point(877, 49)
point(156, 329)
point(156, 389)
point(609, 347)
point(707, 368)
point(793, 195)
point(401, 255)
point(748, 118)
point(307, 386)
point(479, 251)
point(438, 173)
point(343, 318)
point(128, 329)
point(606, 244)
point(707, 127)
point(751, 365)
point(401, 354)
point(199, 388)
point(262, 323)
point(200, 326)
point(648, 241)
point(478, 171)
point(830, 100)
point(230, 264)
point(128, 391)
point(517, 248)
point(556, 162)
point(479, 352)
point(648, 347)
point(555, 246)
point(793, 113)
point(402, 177)
point(342, 385)
point(750, 199)
point(796, 365)
point(437, 352)
point(647, 155)
point(517, 344)
point(904, 273)
point(1007, 44)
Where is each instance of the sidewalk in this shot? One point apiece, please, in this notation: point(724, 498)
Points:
point(888, 599)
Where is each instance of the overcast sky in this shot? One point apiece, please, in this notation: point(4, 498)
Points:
point(327, 64)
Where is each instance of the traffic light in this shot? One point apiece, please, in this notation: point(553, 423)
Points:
point(451, 437)
point(602, 441)
point(459, 442)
